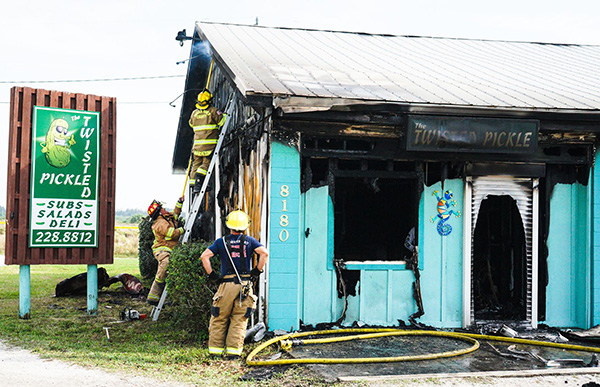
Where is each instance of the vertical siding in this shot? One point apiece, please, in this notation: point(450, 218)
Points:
point(441, 259)
point(317, 270)
point(568, 288)
point(595, 269)
point(283, 261)
point(19, 185)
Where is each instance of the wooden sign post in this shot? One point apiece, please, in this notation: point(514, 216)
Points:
point(61, 184)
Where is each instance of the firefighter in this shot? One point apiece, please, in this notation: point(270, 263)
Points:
point(206, 121)
point(234, 302)
point(166, 230)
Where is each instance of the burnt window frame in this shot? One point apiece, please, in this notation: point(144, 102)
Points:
point(407, 170)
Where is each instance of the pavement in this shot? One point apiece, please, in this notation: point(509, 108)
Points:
point(21, 368)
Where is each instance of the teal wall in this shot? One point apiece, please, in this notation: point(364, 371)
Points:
point(442, 259)
point(568, 293)
point(284, 247)
point(385, 292)
point(595, 224)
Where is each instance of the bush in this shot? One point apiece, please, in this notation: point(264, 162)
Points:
point(190, 290)
point(148, 264)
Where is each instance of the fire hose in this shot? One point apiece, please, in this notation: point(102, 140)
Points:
point(286, 342)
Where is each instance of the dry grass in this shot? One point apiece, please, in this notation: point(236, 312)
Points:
point(2, 237)
point(126, 242)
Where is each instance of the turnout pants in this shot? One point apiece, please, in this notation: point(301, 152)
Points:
point(229, 319)
point(162, 256)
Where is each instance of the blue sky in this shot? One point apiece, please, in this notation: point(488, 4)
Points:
point(84, 40)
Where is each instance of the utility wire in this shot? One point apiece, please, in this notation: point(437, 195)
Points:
point(99, 79)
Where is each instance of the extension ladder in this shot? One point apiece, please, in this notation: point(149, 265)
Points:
point(189, 224)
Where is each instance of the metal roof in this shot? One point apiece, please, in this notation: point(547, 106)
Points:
point(311, 69)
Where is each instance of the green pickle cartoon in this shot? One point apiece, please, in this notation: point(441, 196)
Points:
point(56, 148)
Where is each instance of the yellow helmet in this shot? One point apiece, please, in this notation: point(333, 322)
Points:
point(237, 220)
point(204, 99)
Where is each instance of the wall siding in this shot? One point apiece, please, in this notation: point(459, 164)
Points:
point(284, 261)
point(595, 265)
point(441, 259)
point(568, 286)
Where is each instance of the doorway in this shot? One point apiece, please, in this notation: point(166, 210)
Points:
point(501, 274)
point(499, 261)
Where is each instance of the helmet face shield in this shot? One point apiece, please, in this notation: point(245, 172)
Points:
point(237, 221)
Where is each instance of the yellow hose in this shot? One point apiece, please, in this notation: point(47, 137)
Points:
point(287, 340)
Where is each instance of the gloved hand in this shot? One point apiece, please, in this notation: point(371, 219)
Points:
point(181, 199)
point(255, 273)
point(216, 278)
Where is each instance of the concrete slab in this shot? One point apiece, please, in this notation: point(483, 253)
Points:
point(485, 362)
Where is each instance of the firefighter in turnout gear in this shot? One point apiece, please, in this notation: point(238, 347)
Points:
point(206, 121)
point(234, 302)
point(167, 232)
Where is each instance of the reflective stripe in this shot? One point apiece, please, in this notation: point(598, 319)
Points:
point(152, 297)
point(204, 127)
point(161, 248)
point(179, 204)
point(160, 281)
point(234, 351)
point(169, 235)
point(209, 141)
point(222, 120)
point(202, 153)
point(215, 350)
point(202, 171)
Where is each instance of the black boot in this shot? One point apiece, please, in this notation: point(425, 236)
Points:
point(198, 184)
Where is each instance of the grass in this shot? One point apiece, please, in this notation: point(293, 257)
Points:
point(60, 328)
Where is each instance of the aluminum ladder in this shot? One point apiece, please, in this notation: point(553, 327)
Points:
point(189, 224)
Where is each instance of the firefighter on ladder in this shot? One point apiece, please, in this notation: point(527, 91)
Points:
point(166, 232)
point(234, 302)
point(206, 121)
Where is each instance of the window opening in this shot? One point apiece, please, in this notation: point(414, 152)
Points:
point(373, 216)
point(499, 261)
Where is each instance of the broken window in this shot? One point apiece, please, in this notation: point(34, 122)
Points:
point(375, 205)
point(373, 216)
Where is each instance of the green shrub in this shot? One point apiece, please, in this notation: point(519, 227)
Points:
point(190, 290)
point(148, 264)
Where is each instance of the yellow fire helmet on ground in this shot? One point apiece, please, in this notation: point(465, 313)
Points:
point(237, 220)
point(204, 99)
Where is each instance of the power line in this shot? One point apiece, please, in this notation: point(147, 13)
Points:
point(99, 79)
point(125, 102)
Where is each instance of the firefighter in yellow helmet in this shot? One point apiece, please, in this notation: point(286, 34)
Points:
point(206, 121)
point(166, 232)
point(234, 301)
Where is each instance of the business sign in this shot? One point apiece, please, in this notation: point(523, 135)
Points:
point(64, 178)
point(455, 134)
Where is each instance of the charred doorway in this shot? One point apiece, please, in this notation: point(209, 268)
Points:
point(504, 229)
point(499, 261)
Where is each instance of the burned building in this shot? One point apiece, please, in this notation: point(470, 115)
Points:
point(350, 149)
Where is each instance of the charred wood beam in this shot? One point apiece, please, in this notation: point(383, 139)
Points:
point(375, 118)
point(324, 128)
point(373, 173)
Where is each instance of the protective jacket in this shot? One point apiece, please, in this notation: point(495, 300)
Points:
point(165, 230)
point(206, 124)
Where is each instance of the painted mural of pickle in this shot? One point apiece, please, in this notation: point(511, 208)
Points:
point(56, 148)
